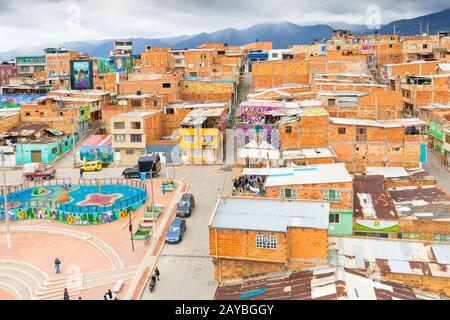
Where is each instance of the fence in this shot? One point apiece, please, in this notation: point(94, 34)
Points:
point(51, 204)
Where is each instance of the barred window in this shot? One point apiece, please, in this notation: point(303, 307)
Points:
point(332, 195)
point(266, 242)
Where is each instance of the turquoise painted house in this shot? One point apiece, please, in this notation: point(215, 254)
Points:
point(43, 152)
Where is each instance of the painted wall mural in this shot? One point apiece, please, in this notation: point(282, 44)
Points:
point(255, 114)
point(81, 74)
point(69, 217)
point(114, 64)
point(14, 101)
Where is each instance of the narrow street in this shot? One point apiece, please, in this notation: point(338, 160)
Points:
point(441, 174)
point(186, 269)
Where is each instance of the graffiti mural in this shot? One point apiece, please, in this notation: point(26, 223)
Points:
point(256, 113)
point(14, 101)
point(70, 217)
point(114, 64)
point(81, 75)
point(246, 133)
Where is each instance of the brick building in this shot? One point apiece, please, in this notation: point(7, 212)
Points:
point(324, 182)
point(200, 90)
point(7, 71)
point(132, 132)
point(270, 74)
point(251, 236)
point(360, 143)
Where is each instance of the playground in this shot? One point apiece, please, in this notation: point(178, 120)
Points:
point(78, 202)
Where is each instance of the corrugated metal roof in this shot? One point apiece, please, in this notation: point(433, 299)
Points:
point(321, 173)
point(393, 256)
point(270, 215)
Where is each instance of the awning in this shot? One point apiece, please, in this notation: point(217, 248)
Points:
point(54, 132)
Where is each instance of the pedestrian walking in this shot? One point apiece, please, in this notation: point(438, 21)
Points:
point(66, 294)
point(109, 293)
point(157, 273)
point(154, 277)
point(57, 266)
point(81, 172)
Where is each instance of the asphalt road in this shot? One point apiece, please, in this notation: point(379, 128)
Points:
point(186, 269)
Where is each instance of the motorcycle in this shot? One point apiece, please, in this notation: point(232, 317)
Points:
point(152, 285)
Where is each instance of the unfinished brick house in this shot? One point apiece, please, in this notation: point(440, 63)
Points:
point(420, 91)
point(374, 105)
point(152, 83)
point(269, 74)
point(308, 128)
point(156, 60)
point(132, 102)
point(200, 90)
point(326, 182)
point(360, 143)
point(252, 236)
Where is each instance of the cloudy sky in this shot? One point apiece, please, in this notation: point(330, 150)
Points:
point(31, 22)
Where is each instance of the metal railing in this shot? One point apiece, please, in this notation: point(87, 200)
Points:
point(53, 204)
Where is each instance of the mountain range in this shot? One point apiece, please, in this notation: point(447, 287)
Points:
point(281, 34)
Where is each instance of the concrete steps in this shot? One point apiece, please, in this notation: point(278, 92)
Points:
point(20, 278)
point(54, 289)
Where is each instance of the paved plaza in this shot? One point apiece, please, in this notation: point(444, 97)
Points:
point(95, 258)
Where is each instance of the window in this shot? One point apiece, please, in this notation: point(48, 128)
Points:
point(129, 152)
point(27, 114)
point(361, 134)
point(208, 138)
point(136, 138)
point(372, 234)
point(188, 138)
point(119, 138)
point(288, 193)
point(169, 111)
point(266, 242)
point(54, 150)
point(203, 56)
point(425, 46)
point(341, 130)
point(41, 113)
point(155, 103)
point(135, 125)
point(409, 235)
point(442, 237)
point(201, 64)
point(396, 149)
point(192, 74)
point(136, 103)
point(274, 55)
point(334, 217)
point(332, 195)
point(143, 152)
point(166, 85)
point(119, 125)
point(288, 129)
point(331, 102)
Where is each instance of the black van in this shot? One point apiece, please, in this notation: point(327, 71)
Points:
point(145, 164)
point(185, 206)
point(149, 163)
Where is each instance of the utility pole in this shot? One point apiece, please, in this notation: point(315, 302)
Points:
point(5, 203)
point(153, 202)
point(72, 119)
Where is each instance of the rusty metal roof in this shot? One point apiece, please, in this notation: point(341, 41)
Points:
point(371, 198)
point(393, 256)
point(423, 202)
point(327, 283)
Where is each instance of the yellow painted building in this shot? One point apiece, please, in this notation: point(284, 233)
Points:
point(201, 138)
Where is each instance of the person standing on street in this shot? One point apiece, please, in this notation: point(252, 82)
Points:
point(57, 266)
point(81, 172)
point(66, 294)
point(157, 273)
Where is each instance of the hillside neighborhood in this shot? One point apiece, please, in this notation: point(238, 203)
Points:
point(316, 171)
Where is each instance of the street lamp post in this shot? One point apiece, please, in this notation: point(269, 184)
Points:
point(153, 203)
point(5, 203)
